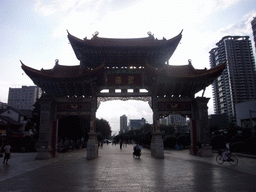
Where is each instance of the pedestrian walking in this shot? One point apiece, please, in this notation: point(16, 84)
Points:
point(7, 150)
point(121, 144)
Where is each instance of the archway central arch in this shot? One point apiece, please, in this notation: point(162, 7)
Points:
point(112, 110)
point(147, 99)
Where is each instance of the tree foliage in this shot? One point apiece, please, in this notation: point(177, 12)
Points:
point(167, 129)
point(103, 127)
point(247, 133)
point(219, 142)
point(169, 141)
point(214, 128)
point(146, 128)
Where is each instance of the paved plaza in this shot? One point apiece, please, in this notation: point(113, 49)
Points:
point(117, 170)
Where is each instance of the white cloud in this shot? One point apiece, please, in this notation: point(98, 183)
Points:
point(127, 18)
point(242, 27)
point(133, 109)
point(224, 4)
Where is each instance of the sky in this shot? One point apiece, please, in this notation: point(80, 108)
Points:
point(35, 32)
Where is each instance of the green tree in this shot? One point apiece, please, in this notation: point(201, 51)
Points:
point(103, 126)
point(146, 128)
point(100, 136)
point(214, 128)
point(167, 130)
point(247, 133)
point(219, 142)
point(232, 130)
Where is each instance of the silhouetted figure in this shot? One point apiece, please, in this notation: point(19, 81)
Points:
point(137, 150)
point(121, 144)
point(7, 150)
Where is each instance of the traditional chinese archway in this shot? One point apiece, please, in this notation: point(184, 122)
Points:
point(128, 65)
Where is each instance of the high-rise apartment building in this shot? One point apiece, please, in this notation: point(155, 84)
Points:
point(238, 81)
point(176, 119)
point(123, 124)
point(253, 22)
point(135, 124)
point(23, 98)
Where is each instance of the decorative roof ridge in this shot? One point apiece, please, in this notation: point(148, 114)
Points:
point(60, 71)
point(189, 65)
point(58, 66)
point(9, 120)
point(97, 41)
point(219, 67)
point(185, 70)
point(12, 108)
point(25, 66)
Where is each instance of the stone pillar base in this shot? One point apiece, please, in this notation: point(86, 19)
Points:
point(157, 145)
point(205, 151)
point(44, 154)
point(92, 146)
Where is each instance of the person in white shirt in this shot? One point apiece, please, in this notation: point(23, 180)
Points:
point(226, 152)
point(7, 150)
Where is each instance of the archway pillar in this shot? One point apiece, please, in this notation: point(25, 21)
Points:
point(200, 127)
point(47, 142)
point(92, 143)
point(157, 146)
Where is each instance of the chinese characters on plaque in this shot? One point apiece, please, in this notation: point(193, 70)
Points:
point(85, 106)
point(174, 106)
point(123, 79)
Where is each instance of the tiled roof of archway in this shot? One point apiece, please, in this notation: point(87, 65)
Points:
point(62, 72)
point(186, 71)
point(172, 71)
point(123, 52)
point(149, 41)
point(99, 56)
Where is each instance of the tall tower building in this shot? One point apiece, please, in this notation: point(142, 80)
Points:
point(23, 98)
point(238, 81)
point(123, 124)
point(253, 22)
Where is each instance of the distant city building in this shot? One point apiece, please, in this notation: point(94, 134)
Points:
point(123, 124)
point(176, 119)
point(24, 98)
point(254, 30)
point(246, 114)
point(238, 81)
point(135, 124)
point(163, 121)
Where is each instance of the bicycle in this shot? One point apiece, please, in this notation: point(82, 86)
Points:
point(232, 159)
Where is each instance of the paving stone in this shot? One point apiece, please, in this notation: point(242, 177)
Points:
point(117, 170)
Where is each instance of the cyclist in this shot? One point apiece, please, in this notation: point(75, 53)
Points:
point(226, 152)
